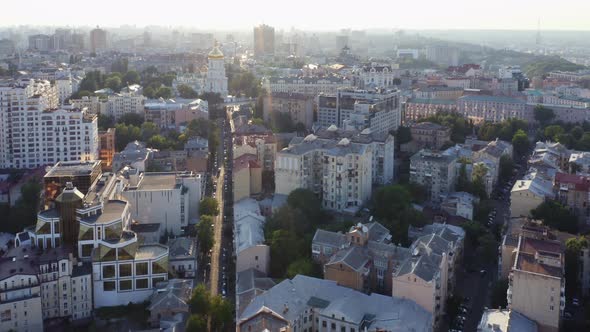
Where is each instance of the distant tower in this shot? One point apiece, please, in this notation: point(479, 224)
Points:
point(216, 80)
point(538, 37)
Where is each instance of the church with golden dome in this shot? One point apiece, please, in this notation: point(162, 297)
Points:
point(216, 80)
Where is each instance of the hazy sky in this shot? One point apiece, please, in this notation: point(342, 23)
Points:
point(304, 14)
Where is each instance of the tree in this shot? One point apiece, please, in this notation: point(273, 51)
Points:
point(403, 135)
point(148, 130)
point(131, 119)
point(119, 65)
point(186, 91)
point(462, 180)
point(105, 122)
point(124, 134)
point(131, 77)
point(553, 131)
point(577, 132)
point(113, 83)
point(306, 201)
point(164, 92)
point(473, 231)
point(205, 234)
point(520, 142)
point(499, 292)
point(543, 115)
point(302, 266)
point(487, 249)
point(506, 167)
point(286, 245)
point(196, 323)
point(209, 206)
point(199, 302)
point(573, 247)
point(158, 142)
point(557, 216)
point(220, 311)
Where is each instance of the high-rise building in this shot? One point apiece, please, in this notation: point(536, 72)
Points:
point(107, 147)
point(264, 40)
point(34, 132)
point(98, 40)
point(378, 110)
point(435, 171)
point(41, 43)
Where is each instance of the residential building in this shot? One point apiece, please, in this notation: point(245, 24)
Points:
point(175, 113)
point(107, 147)
point(573, 191)
point(382, 145)
point(91, 103)
point(135, 155)
point(64, 88)
point(40, 43)
point(498, 320)
point(249, 284)
point(304, 303)
point(28, 120)
point(579, 162)
point(20, 295)
point(168, 198)
point(183, 257)
point(310, 86)
point(430, 135)
point(195, 144)
point(299, 107)
point(251, 250)
point(443, 55)
point(216, 80)
point(479, 108)
point(170, 299)
point(528, 193)
point(418, 108)
point(262, 145)
point(98, 40)
point(339, 171)
point(435, 171)
point(123, 103)
point(264, 40)
point(378, 110)
point(460, 204)
point(537, 283)
point(246, 176)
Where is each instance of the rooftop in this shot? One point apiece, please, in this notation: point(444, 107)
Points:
point(151, 251)
point(494, 320)
point(157, 181)
point(73, 168)
point(111, 211)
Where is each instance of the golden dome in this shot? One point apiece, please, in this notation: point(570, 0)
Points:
point(216, 53)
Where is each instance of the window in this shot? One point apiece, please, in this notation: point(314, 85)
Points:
point(124, 270)
point(125, 285)
point(108, 286)
point(333, 326)
point(108, 271)
point(155, 281)
point(63, 267)
point(324, 323)
point(141, 283)
point(141, 269)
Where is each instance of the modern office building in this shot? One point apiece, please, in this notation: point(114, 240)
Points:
point(107, 147)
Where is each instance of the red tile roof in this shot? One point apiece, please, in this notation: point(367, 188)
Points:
point(579, 182)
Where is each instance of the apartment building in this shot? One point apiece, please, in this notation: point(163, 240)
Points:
point(92, 103)
point(430, 135)
point(537, 282)
point(418, 108)
point(339, 171)
point(175, 113)
point(528, 193)
point(251, 250)
point(168, 198)
point(246, 176)
point(20, 295)
point(34, 133)
point(310, 86)
point(377, 110)
point(573, 191)
point(135, 154)
point(299, 106)
point(107, 147)
point(479, 108)
point(124, 103)
point(310, 304)
point(382, 145)
point(263, 146)
point(435, 171)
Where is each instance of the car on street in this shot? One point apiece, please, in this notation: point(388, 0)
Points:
point(567, 315)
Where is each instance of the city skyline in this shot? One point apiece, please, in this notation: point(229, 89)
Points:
point(326, 15)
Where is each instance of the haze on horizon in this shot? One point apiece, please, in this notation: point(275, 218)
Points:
point(305, 14)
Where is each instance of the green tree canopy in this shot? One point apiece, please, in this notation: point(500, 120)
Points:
point(543, 115)
point(553, 131)
point(520, 142)
point(573, 247)
point(556, 216)
point(131, 119)
point(186, 91)
point(205, 234)
point(209, 206)
point(131, 77)
point(196, 323)
point(199, 302)
point(403, 135)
